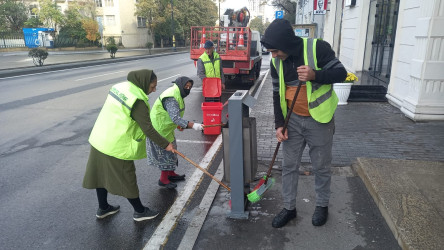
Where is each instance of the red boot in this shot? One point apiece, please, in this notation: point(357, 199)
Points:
point(172, 176)
point(165, 182)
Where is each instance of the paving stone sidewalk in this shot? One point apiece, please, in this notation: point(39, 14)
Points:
point(363, 129)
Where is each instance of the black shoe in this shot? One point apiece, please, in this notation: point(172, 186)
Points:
point(169, 185)
point(145, 215)
point(320, 216)
point(176, 177)
point(283, 217)
point(109, 211)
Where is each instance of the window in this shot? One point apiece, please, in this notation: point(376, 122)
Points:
point(98, 3)
point(109, 3)
point(110, 20)
point(141, 22)
point(31, 13)
point(100, 22)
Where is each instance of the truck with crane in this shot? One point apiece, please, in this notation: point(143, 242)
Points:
point(239, 47)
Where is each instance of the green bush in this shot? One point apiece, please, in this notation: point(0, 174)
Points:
point(112, 49)
point(149, 45)
point(38, 56)
point(110, 40)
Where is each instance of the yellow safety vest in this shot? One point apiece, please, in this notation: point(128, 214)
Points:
point(322, 100)
point(211, 69)
point(159, 116)
point(115, 133)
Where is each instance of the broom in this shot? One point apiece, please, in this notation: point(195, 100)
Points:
point(266, 182)
point(202, 169)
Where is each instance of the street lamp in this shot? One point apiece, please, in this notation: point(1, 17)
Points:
point(172, 26)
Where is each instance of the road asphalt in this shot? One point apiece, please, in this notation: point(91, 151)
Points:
point(387, 188)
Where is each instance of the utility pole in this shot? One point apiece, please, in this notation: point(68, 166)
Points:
point(172, 26)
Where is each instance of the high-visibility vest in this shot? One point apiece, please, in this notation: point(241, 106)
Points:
point(211, 69)
point(160, 118)
point(322, 100)
point(115, 133)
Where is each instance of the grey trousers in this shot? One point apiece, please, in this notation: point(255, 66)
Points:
point(302, 131)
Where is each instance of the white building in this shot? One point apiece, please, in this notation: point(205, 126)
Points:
point(395, 44)
point(117, 19)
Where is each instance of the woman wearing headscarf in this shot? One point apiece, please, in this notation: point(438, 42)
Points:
point(117, 139)
point(166, 116)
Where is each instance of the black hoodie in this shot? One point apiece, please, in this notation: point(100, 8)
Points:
point(280, 35)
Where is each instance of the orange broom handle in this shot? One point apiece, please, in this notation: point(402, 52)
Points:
point(203, 170)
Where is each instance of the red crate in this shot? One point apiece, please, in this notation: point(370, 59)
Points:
point(211, 87)
point(212, 113)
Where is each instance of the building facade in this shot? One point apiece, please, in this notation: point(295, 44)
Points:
point(397, 44)
point(116, 19)
point(119, 21)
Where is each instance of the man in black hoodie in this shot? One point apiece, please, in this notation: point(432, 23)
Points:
point(312, 64)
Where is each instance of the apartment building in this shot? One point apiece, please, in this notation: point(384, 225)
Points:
point(119, 21)
point(116, 19)
point(398, 45)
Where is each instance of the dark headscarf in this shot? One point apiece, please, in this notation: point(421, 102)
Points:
point(181, 82)
point(280, 35)
point(141, 78)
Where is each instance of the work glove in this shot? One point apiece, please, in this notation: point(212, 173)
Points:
point(197, 127)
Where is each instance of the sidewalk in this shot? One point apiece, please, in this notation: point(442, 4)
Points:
point(396, 200)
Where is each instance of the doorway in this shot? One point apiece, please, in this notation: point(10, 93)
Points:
point(383, 17)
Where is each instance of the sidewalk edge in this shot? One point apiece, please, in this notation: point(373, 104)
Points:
point(384, 212)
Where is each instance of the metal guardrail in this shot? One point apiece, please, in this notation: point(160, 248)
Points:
point(12, 40)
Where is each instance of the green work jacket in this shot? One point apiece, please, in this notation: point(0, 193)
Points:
point(211, 69)
point(115, 133)
point(159, 116)
point(322, 100)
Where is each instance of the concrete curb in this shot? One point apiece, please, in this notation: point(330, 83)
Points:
point(33, 70)
point(404, 194)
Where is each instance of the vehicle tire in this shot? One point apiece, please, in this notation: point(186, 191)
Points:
point(258, 69)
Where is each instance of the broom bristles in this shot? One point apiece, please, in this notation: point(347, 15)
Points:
point(256, 195)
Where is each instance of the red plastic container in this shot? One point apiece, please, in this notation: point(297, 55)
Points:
point(211, 87)
point(212, 113)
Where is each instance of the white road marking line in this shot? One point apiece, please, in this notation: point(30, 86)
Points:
point(168, 78)
point(190, 236)
point(98, 76)
point(159, 238)
point(189, 141)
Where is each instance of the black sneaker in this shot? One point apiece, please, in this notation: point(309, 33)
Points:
point(145, 215)
point(109, 211)
point(176, 177)
point(283, 217)
point(320, 216)
point(169, 185)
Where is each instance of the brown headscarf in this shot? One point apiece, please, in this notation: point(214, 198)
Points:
point(141, 78)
